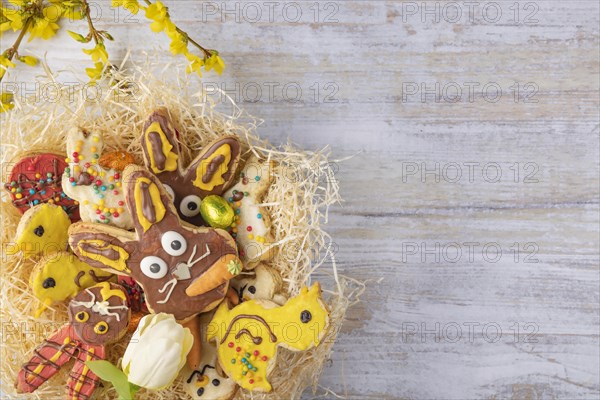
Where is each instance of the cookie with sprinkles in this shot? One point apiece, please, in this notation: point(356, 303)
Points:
point(37, 179)
point(247, 336)
point(252, 225)
point(94, 183)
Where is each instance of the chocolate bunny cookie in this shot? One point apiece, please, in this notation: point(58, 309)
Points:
point(211, 172)
point(183, 270)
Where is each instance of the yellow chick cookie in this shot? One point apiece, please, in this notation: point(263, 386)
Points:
point(248, 335)
point(41, 230)
point(60, 276)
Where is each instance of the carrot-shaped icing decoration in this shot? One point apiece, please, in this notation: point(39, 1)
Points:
point(222, 271)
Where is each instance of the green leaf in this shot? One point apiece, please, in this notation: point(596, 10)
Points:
point(108, 372)
point(78, 37)
point(106, 35)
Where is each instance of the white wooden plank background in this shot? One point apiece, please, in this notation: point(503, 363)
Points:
point(365, 57)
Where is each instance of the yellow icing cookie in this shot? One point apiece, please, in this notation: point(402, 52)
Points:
point(248, 335)
point(41, 230)
point(60, 276)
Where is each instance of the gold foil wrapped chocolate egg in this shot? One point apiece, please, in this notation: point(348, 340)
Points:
point(217, 212)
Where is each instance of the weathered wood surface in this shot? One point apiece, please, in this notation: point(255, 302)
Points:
point(367, 60)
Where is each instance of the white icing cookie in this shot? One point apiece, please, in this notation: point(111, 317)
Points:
point(262, 283)
point(97, 188)
point(252, 226)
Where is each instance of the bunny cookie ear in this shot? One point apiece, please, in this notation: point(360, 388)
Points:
point(147, 199)
point(102, 246)
point(159, 142)
point(214, 168)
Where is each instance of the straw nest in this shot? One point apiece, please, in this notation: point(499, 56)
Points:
point(297, 201)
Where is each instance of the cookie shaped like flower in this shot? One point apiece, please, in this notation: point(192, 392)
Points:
point(157, 351)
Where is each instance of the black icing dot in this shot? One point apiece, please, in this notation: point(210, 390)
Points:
point(305, 316)
point(192, 206)
point(49, 283)
point(102, 328)
point(175, 244)
point(155, 268)
point(252, 289)
point(39, 231)
point(200, 392)
point(216, 382)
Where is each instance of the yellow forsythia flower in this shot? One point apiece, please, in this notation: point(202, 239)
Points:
point(216, 62)
point(178, 44)
point(97, 53)
point(43, 28)
point(15, 19)
point(5, 64)
point(29, 60)
point(196, 64)
point(159, 14)
point(6, 102)
point(130, 5)
point(96, 72)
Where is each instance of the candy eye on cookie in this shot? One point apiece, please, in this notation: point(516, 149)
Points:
point(190, 205)
point(154, 267)
point(173, 243)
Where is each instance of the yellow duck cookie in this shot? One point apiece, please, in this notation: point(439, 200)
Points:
point(60, 276)
point(43, 229)
point(248, 335)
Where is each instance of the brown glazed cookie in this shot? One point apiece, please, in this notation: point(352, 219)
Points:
point(182, 270)
point(100, 314)
point(211, 172)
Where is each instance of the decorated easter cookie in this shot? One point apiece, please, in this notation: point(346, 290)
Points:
point(208, 382)
point(262, 283)
point(211, 172)
point(96, 181)
point(252, 229)
point(98, 316)
point(248, 335)
point(36, 180)
point(61, 275)
point(183, 270)
point(41, 230)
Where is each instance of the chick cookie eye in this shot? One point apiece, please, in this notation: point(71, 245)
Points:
point(39, 231)
point(101, 328)
point(305, 316)
point(153, 267)
point(190, 205)
point(81, 316)
point(173, 243)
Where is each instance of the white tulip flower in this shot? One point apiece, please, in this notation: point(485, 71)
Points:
point(157, 351)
